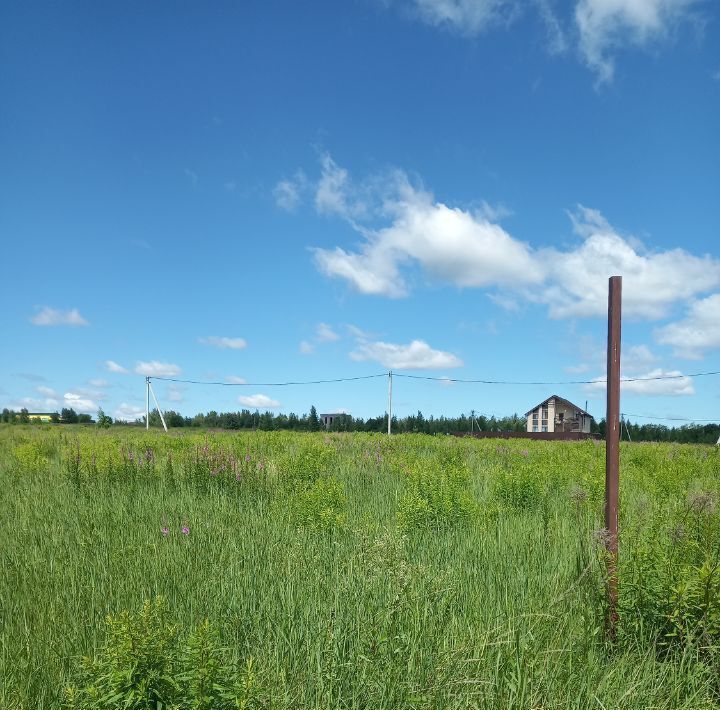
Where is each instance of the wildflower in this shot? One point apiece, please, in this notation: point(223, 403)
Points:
point(524, 453)
point(214, 472)
point(702, 502)
point(261, 465)
point(578, 495)
point(247, 458)
point(185, 530)
point(678, 533)
point(602, 537)
point(238, 476)
point(165, 530)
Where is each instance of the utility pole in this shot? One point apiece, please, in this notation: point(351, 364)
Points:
point(389, 402)
point(147, 402)
point(612, 448)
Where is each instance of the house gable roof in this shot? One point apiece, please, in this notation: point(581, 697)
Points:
point(566, 402)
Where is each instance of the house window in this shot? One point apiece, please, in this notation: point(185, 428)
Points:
point(535, 427)
point(535, 416)
point(544, 428)
point(544, 422)
point(545, 412)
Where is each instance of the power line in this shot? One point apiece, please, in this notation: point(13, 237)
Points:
point(268, 384)
point(563, 382)
point(434, 379)
point(672, 419)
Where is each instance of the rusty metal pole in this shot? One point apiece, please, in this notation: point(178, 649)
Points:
point(612, 447)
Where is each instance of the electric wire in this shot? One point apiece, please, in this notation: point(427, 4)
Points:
point(268, 384)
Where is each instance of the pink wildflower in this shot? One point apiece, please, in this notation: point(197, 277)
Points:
point(185, 530)
point(165, 530)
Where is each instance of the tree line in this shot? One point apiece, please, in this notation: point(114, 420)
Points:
point(414, 423)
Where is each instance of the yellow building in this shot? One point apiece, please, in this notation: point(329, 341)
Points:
point(40, 416)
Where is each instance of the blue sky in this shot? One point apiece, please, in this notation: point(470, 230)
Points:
point(269, 191)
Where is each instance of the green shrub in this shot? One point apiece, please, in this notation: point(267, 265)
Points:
point(319, 506)
point(437, 494)
point(147, 663)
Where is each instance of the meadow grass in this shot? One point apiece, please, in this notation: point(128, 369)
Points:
point(353, 570)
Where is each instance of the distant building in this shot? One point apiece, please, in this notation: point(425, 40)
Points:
point(40, 416)
point(558, 414)
point(330, 417)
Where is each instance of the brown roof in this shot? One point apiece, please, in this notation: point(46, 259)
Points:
point(566, 402)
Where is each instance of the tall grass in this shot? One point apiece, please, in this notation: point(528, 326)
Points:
point(308, 556)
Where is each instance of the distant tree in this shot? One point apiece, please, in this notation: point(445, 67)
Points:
point(5, 417)
point(313, 419)
point(24, 418)
point(84, 419)
point(55, 418)
point(103, 420)
point(68, 416)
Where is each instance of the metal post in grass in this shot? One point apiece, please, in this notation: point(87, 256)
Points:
point(612, 448)
point(389, 402)
point(147, 402)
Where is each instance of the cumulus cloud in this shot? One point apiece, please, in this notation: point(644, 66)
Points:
point(259, 401)
point(235, 380)
point(652, 281)
point(675, 385)
point(47, 391)
point(224, 343)
point(306, 348)
point(449, 244)
point(112, 366)
point(698, 332)
point(35, 404)
point(52, 316)
point(80, 402)
point(608, 25)
point(455, 246)
point(98, 382)
point(129, 412)
point(325, 334)
point(157, 369)
point(416, 355)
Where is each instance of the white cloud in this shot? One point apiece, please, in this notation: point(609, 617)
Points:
point(306, 348)
point(697, 332)
point(52, 316)
point(259, 401)
point(636, 358)
point(129, 412)
point(289, 193)
point(653, 282)
point(223, 342)
point(608, 25)
point(325, 334)
point(47, 391)
point(235, 380)
point(449, 244)
point(465, 249)
point(466, 16)
point(678, 385)
point(80, 403)
point(112, 366)
point(157, 369)
point(34, 404)
point(417, 355)
point(98, 382)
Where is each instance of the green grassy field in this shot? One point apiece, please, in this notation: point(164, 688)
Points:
point(354, 571)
